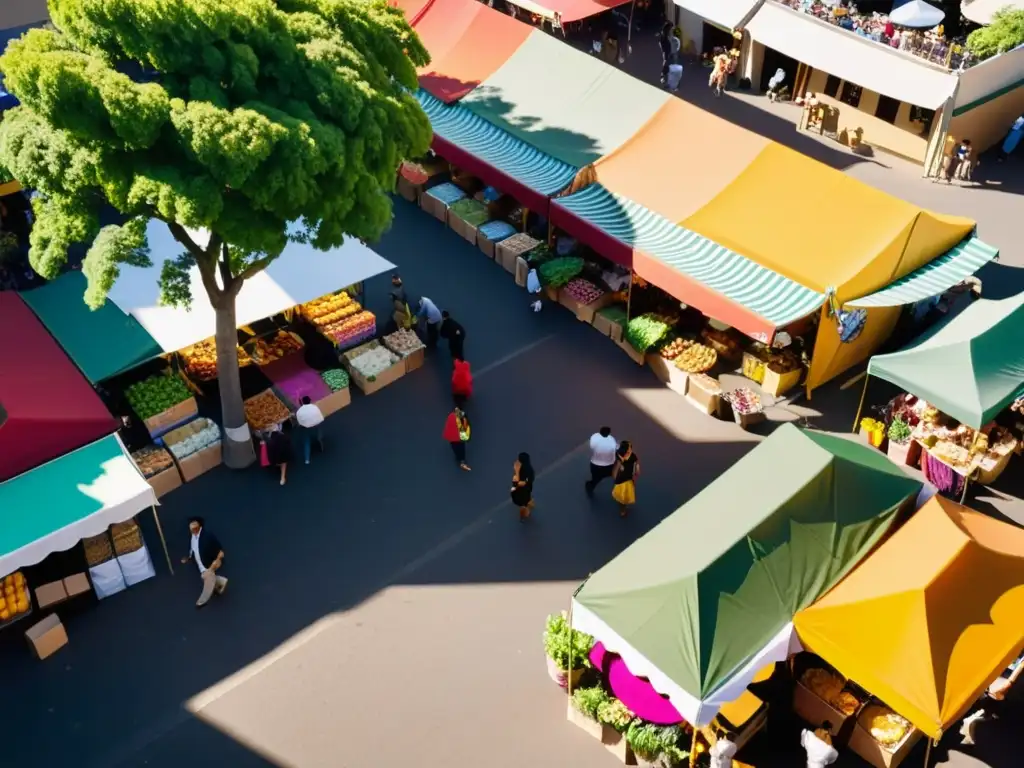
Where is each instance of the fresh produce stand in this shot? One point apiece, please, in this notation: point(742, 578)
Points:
point(162, 402)
point(341, 319)
point(407, 345)
point(737, 588)
point(373, 366)
point(966, 405)
point(932, 665)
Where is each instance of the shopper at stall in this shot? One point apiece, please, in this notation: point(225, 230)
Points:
point(522, 486)
point(665, 43)
point(462, 382)
point(625, 473)
point(311, 420)
point(402, 310)
point(457, 432)
point(455, 334)
point(818, 746)
point(602, 458)
point(721, 753)
point(279, 449)
point(206, 550)
point(430, 315)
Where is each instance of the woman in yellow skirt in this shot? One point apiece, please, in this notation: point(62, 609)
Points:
point(626, 471)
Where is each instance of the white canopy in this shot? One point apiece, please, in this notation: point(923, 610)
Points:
point(54, 506)
point(916, 14)
point(300, 274)
point(728, 14)
point(982, 11)
point(851, 57)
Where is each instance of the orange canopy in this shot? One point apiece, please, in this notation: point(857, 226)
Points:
point(931, 618)
point(467, 42)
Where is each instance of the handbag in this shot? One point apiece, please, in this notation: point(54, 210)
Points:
point(464, 430)
point(264, 456)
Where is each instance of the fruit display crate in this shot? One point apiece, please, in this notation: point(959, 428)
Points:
point(355, 341)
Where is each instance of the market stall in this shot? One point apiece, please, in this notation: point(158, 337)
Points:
point(954, 635)
point(53, 507)
point(965, 376)
point(50, 409)
point(701, 630)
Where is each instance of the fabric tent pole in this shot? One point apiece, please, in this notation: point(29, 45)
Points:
point(526, 214)
point(629, 32)
point(928, 753)
point(693, 746)
point(860, 405)
point(163, 541)
point(967, 477)
point(629, 296)
point(568, 671)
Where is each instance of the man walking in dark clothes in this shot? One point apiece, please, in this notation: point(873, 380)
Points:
point(455, 334)
point(209, 557)
point(665, 43)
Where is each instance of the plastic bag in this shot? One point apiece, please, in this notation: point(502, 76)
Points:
point(675, 75)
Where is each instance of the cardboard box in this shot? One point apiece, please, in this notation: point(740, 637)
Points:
point(877, 755)
point(522, 271)
point(166, 481)
point(199, 462)
point(47, 636)
point(636, 357)
point(568, 302)
point(615, 331)
point(462, 228)
point(511, 248)
point(436, 208)
point(776, 384)
point(602, 324)
point(746, 420)
point(552, 294)
point(813, 710)
point(588, 312)
point(50, 594)
point(78, 584)
point(414, 360)
point(408, 190)
point(707, 402)
point(162, 422)
point(506, 258)
point(334, 402)
point(389, 376)
point(660, 366)
point(485, 245)
point(611, 739)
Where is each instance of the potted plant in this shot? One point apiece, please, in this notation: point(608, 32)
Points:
point(564, 646)
point(901, 447)
point(656, 745)
point(615, 718)
point(584, 705)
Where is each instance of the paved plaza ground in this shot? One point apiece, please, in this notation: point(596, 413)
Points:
point(386, 609)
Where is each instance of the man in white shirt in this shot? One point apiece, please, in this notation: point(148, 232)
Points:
point(602, 457)
point(310, 418)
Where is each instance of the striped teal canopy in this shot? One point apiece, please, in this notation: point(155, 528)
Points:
point(471, 140)
point(776, 299)
point(935, 277)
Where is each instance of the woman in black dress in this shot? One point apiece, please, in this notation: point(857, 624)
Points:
point(279, 449)
point(522, 486)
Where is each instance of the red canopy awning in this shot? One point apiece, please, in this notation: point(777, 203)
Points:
point(50, 408)
point(467, 42)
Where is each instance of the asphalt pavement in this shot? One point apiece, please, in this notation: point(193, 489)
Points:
point(385, 607)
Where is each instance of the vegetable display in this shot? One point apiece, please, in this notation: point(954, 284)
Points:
point(274, 348)
point(265, 410)
point(884, 725)
point(470, 210)
point(330, 309)
point(899, 431)
point(152, 460)
point(373, 362)
point(645, 331)
point(583, 291)
point(560, 643)
point(352, 329)
point(15, 599)
point(558, 272)
point(156, 395)
point(201, 360)
point(191, 438)
point(696, 358)
point(753, 367)
point(675, 348)
point(744, 401)
point(831, 688)
point(335, 378)
point(723, 342)
point(403, 342)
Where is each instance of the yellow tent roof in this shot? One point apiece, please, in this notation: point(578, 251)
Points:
point(822, 228)
point(931, 618)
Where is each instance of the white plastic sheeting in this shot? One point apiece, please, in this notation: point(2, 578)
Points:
point(728, 14)
point(300, 274)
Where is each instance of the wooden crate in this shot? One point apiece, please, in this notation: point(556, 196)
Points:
point(462, 228)
point(334, 402)
point(877, 755)
point(629, 349)
point(486, 246)
point(436, 208)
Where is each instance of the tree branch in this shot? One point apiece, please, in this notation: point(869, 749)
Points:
point(255, 268)
point(182, 236)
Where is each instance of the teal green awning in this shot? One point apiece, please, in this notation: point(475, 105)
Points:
point(776, 299)
point(102, 343)
point(971, 367)
point(935, 277)
point(51, 508)
point(500, 149)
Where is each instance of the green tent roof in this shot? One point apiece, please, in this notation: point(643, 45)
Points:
point(103, 342)
point(970, 367)
point(705, 591)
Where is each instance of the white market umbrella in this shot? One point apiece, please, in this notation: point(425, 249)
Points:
point(916, 14)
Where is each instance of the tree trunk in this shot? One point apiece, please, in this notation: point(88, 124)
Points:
point(237, 441)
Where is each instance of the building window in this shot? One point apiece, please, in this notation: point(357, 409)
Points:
point(832, 86)
point(851, 94)
point(887, 109)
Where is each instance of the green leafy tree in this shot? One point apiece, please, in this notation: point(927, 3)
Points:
point(256, 122)
point(1005, 33)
